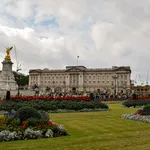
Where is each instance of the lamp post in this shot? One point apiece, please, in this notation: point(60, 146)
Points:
point(18, 69)
point(64, 86)
point(53, 86)
point(77, 60)
point(115, 78)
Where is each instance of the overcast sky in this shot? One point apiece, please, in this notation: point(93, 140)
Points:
point(52, 33)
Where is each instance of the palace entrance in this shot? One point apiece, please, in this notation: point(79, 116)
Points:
point(73, 90)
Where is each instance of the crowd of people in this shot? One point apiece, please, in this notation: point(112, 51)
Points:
point(93, 96)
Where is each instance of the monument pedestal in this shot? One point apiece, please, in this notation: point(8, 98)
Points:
point(7, 80)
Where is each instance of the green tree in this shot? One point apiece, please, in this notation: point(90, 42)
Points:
point(21, 78)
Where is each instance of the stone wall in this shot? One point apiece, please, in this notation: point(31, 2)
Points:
point(13, 93)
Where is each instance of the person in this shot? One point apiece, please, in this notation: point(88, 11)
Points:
point(8, 95)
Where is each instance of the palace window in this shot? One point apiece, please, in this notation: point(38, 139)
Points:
point(125, 77)
point(125, 82)
point(121, 76)
point(121, 83)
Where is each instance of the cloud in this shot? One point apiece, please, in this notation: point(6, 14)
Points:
point(51, 33)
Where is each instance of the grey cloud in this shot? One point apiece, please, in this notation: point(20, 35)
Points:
point(103, 33)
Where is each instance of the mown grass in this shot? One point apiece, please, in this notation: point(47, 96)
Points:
point(92, 131)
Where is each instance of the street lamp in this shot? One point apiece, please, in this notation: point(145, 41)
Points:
point(53, 86)
point(64, 86)
point(18, 69)
point(77, 60)
point(115, 78)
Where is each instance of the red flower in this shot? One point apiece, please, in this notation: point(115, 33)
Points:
point(50, 123)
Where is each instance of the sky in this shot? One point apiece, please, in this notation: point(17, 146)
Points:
point(52, 33)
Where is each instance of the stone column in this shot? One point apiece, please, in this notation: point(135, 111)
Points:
point(29, 81)
point(81, 82)
point(39, 80)
point(67, 80)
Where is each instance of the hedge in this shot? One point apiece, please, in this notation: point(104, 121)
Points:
point(135, 103)
point(52, 105)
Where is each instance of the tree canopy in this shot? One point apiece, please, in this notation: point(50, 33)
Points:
point(21, 78)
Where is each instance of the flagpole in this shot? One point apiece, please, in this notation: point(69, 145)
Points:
point(77, 60)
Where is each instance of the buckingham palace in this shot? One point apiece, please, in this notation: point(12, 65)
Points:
point(113, 80)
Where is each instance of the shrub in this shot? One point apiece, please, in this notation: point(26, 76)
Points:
point(44, 115)
point(28, 123)
point(35, 121)
point(135, 103)
point(146, 110)
point(25, 113)
point(10, 113)
point(9, 119)
point(140, 111)
point(16, 121)
point(54, 105)
point(32, 121)
point(147, 107)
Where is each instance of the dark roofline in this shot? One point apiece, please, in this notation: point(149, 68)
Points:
point(82, 68)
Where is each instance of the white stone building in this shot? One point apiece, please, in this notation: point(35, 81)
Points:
point(79, 78)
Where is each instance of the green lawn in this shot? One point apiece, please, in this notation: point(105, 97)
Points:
point(92, 131)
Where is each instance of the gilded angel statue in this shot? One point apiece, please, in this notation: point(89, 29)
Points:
point(8, 49)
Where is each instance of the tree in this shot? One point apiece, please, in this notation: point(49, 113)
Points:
point(21, 79)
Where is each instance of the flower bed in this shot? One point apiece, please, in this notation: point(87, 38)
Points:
point(27, 124)
point(140, 115)
point(137, 117)
point(135, 103)
point(49, 98)
point(53, 105)
point(143, 97)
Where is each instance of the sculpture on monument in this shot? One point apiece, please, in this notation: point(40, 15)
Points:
point(8, 49)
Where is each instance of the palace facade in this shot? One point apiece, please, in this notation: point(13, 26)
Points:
point(113, 80)
point(142, 90)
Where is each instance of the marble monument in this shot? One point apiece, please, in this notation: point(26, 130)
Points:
point(7, 80)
